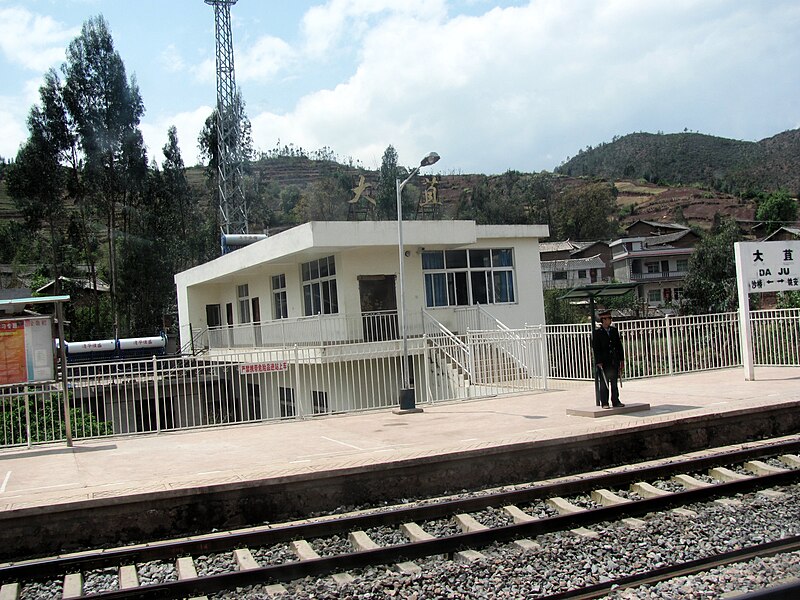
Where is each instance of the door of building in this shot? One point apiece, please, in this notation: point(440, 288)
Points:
point(378, 307)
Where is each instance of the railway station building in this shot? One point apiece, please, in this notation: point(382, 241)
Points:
point(313, 315)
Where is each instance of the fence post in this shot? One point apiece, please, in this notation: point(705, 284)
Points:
point(670, 364)
point(27, 417)
point(297, 403)
point(471, 350)
point(543, 358)
point(156, 394)
point(426, 367)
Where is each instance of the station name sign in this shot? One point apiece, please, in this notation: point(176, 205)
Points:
point(770, 266)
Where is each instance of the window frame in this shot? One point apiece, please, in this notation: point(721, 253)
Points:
point(320, 293)
point(280, 306)
point(243, 303)
point(468, 277)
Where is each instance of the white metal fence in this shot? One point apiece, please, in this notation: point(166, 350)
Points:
point(305, 381)
point(315, 330)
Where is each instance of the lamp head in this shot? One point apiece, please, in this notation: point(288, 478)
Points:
point(429, 160)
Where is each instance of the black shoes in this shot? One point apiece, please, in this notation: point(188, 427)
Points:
point(605, 406)
point(619, 405)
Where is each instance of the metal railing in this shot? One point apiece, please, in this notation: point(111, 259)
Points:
point(317, 330)
point(657, 275)
point(304, 381)
point(777, 333)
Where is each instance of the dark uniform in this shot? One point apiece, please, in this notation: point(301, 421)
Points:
point(609, 358)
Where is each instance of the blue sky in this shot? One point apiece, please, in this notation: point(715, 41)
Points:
point(488, 85)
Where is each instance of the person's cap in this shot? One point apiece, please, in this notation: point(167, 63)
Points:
point(605, 313)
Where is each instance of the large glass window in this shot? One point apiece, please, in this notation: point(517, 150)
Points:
point(319, 287)
point(280, 308)
point(466, 277)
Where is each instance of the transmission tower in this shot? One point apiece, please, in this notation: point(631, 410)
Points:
point(232, 205)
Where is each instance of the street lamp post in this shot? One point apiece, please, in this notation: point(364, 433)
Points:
point(406, 396)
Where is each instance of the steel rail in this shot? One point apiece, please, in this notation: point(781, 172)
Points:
point(438, 546)
point(207, 543)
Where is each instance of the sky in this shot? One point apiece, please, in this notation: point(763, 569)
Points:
point(490, 86)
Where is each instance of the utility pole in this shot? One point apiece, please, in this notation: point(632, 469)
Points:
point(232, 205)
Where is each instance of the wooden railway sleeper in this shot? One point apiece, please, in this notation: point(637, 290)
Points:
point(435, 546)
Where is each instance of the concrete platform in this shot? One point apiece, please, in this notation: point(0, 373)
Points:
point(236, 475)
point(598, 411)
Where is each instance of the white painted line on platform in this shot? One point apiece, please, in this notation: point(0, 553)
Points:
point(307, 460)
point(469, 440)
point(5, 482)
point(718, 403)
point(50, 487)
point(209, 472)
point(342, 443)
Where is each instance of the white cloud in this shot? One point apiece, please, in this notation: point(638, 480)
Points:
point(263, 60)
point(12, 130)
point(172, 60)
point(32, 41)
point(346, 21)
point(188, 125)
point(514, 87)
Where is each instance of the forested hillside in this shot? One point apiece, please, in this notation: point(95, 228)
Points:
point(742, 168)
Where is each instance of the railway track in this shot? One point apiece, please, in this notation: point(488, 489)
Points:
point(453, 528)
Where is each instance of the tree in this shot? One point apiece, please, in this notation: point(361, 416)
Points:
point(325, 200)
point(710, 284)
point(36, 180)
point(776, 210)
point(106, 109)
point(557, 311)
point(386, 196)
point(585, 213)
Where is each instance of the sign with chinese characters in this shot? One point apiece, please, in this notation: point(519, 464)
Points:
point(770, 266)
point(268, 367)
point(26, 350)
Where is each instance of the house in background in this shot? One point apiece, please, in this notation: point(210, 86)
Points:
point(784, 234)
point(659, 263)
point(568, 264)
point(571, 272)
point(642, 228)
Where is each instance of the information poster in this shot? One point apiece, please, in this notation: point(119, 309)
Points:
point(26, 351)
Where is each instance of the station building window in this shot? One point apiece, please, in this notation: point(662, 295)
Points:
point(280, 308)
point(243, 293)
point(319, 287)
point(468, 277)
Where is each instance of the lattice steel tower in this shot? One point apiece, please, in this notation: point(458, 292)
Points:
point(232, 205)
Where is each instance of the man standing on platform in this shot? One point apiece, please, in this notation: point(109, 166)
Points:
point(609, 359)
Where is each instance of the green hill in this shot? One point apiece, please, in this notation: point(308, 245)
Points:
point(695, 159)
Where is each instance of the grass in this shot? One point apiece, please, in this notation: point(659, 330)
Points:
point(629, 187)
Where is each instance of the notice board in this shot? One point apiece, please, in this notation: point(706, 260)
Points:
point(26, 350)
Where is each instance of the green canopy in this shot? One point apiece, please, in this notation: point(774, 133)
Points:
point(597, 290)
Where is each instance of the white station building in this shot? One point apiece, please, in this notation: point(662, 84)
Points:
point(333, 289)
